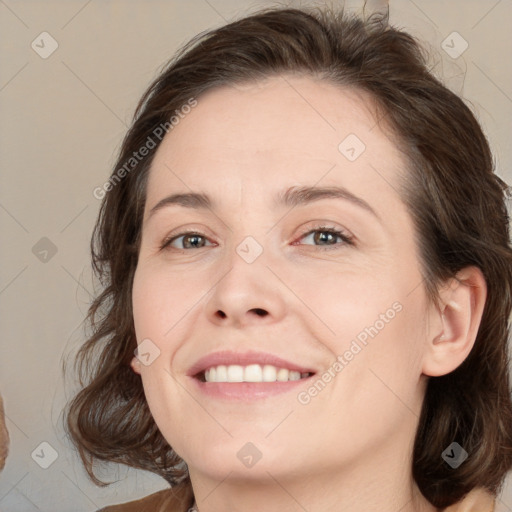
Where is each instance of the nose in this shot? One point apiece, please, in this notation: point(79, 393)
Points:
point(247, 294)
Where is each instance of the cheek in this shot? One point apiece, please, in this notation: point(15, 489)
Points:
point(160, 300)
point(376, 389)
point(376, 322)
point(158, 305)
point(353, 306)
point(392, 357)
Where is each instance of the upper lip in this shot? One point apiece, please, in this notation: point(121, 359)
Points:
point(227, 357)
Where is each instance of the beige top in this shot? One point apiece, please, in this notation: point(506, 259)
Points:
point(181, 499)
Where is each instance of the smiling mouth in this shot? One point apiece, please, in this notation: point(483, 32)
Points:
point(250, 373)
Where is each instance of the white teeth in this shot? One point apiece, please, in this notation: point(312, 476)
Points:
point(235, 373)
point(251, 373)
point(269, 373)
point(222, 374)
point(283, 374)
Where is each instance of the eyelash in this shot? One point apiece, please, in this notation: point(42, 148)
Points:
point(345, 237)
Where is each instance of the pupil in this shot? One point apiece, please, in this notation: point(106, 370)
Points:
point(323, 236)
point(191, 240)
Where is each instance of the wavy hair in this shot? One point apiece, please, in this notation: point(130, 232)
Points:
point(453, 195)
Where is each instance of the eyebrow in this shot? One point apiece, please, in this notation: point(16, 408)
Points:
point(291, 198)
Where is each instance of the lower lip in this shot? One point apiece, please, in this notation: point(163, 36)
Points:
point(247, 391)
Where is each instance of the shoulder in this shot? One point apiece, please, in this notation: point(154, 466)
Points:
point(177, 499)
point(148, 503)
point(478, 500)
point(181, 499)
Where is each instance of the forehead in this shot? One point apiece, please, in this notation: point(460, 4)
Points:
point(283, 131)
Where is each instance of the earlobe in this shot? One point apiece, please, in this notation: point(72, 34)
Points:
point(135, 364)
point(456, 322)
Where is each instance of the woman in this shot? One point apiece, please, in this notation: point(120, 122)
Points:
point(307, 272)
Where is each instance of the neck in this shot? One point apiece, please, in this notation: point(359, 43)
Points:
point(372, 485)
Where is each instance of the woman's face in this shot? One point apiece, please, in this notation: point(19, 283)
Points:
point(258, 280)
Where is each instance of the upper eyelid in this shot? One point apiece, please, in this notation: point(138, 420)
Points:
point(303, 232)
point(313, 225)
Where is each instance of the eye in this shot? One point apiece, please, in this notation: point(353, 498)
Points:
point(326, 237)
point(187, 240)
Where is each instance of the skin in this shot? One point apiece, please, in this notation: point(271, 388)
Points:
point(350, 447)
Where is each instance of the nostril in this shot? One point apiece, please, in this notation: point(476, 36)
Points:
point(259, 312)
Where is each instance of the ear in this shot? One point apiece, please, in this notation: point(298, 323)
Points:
point(454, 323)
point(135, 364)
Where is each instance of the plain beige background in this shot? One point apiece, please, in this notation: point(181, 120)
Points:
point(62, 120)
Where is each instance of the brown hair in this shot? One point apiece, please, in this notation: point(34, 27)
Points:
point(456, 202)
point(4, 436)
